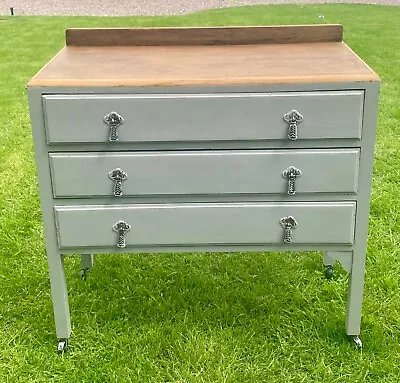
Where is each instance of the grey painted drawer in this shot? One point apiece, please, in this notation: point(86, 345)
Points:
point(204, 172)
point(203, 117)
point(197, 224)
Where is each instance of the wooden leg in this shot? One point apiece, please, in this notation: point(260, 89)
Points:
point(355, 295)
point(87, 261)
point(59, 295)
point(87, 264)
point(328, 258)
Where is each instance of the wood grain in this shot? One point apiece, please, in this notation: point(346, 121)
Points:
point(204, 36)
point(204, 65)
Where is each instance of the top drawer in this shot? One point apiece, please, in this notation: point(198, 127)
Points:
point(202, 117)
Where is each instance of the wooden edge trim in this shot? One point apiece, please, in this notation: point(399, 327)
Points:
point(281, 34)
point(71, 83)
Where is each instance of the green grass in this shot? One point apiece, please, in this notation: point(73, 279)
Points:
point(249, 317)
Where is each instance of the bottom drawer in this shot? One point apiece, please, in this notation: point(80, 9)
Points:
point(204, 223)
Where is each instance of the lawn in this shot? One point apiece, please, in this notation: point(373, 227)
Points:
point(242, 317)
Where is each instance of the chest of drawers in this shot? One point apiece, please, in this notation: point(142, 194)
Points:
point(205, 139)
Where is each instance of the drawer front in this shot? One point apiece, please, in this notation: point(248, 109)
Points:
point(203, 117)
point(204, 172)
point(205, 224)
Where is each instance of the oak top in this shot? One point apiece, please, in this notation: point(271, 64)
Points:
point(204, 56)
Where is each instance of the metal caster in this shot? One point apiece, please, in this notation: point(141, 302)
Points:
point(357, 341)
point(83, 274)
point(62, 346)
point(329, 271)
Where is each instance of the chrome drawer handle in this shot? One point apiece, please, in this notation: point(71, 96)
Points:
point(288, 224)
point(118, 176)
point(291, 173)
point(113, 120)
point(121, 227)
point(293, 118)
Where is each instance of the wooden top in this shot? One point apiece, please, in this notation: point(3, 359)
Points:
point(205, 56)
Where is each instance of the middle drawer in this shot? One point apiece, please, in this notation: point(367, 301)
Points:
point(203, 172)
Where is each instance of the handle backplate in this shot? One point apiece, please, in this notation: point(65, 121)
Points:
point(291, 173)
point(121, 228)
point(113, 120)
point(288, 224)
point(293, 118)
point(118, 176)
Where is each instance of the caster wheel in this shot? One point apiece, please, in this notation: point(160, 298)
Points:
point(329, 272)
point(62, 346)
point(83, 274)
point(357, 342)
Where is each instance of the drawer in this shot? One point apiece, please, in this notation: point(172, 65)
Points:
point(202, 117)
point(204, 172)
point(203, 224)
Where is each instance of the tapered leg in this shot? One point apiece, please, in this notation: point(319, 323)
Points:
point(87, 261)
point(355, 295)
point(328, 259)
point(87, 264)
point(59, 295)
point(356, 280)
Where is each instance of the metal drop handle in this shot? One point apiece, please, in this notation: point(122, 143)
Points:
point(121, 227)
point(118, 176)
point(293, 118)
point(113, 120)
point(291, 173)
point(288, 223)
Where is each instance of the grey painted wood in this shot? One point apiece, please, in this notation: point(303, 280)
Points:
point(208, 248)
point(55, 260)
point(86, 261)
point(344, 257)
point(209, 145)
point(356, 280)
point(356, 252)
point(80, 226)
point(188, 198)
point(328, 259)
point(205, 172)
point(202, 117)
